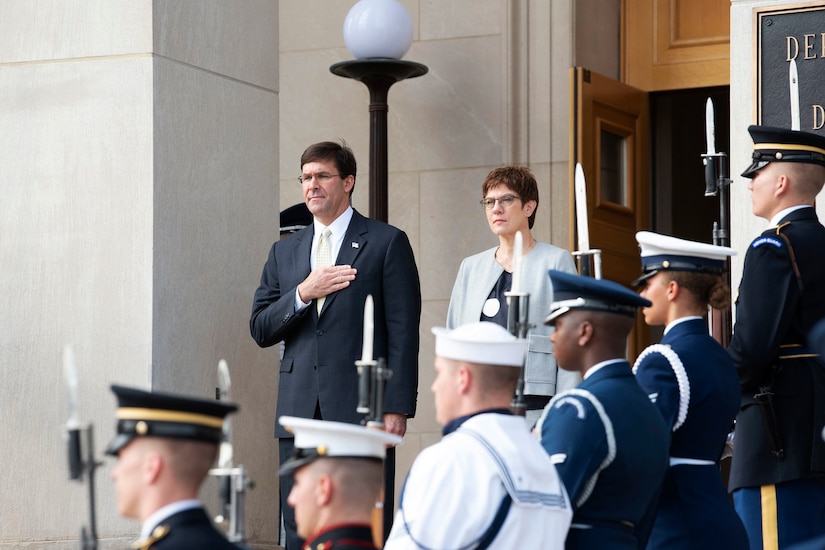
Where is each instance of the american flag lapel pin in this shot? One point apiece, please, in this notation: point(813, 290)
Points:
point(354, 244)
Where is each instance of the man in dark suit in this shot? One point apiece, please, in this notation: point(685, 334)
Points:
point(608, 441)
point(165, 446)
point(316, 306)
point(778, 469)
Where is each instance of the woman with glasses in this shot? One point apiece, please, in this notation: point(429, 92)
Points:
point(692, 381)
point(510, 199)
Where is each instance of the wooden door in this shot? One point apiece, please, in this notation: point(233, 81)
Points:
point(675, 44)
point(610, 131)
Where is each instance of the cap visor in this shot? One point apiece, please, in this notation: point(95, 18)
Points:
point(288, 468)
point(551, 319)
point(751, 170)
point(120, 441)
point(639, 281)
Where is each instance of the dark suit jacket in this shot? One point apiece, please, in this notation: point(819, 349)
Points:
point(318, 364)
point(775, 311)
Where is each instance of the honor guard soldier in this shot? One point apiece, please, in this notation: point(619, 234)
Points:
point(691, 379)
point(778, 469)
point(608, 441)
point(487, 483)
point(165, 446)
point(338, 474)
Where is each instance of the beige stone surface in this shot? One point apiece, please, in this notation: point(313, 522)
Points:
point(236, 39)
point(76, 226)
point(138, 193)
point(463, 18)
point(49, 30)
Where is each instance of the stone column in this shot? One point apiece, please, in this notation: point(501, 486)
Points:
point(139, 161)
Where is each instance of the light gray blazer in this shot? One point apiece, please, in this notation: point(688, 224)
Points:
point(476, 277)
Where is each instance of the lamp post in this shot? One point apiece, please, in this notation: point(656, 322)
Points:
point(378, 33)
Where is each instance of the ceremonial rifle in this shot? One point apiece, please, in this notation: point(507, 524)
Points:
point(717, 182)
point(372, 380)
point(518, 322)
point(77, 433)
point(233, 479)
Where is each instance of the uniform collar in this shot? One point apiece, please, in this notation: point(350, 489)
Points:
point(456, 423)
point(598, 366)
point(680, 321)
point(167, 511)
point(782, 213)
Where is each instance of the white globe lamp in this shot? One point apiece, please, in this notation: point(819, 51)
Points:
point(378, 29)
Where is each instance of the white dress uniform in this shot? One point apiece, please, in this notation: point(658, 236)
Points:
point(458, 488)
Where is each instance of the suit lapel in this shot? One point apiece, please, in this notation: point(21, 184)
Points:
point(354, 241)
point(301, 252)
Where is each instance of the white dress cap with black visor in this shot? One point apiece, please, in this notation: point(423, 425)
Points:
point(665, 253)
point(315, 439)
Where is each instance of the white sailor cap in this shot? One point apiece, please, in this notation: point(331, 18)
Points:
point(483, 343)
point(316, 439)
point(662, 252)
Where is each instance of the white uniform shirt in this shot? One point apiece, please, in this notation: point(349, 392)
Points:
point(455, 488)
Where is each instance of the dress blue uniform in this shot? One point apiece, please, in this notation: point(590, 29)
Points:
point(183, 523)
point(190, 528)
point(692, 381)
point(778, 469)
point(609, 443)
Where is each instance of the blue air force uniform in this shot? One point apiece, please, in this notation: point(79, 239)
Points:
point(694, 510)
point(779, 458)
point(692, 382)
point(609, 443)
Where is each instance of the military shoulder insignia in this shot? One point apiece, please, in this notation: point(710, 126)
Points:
point(773, 241)
point(146, 544)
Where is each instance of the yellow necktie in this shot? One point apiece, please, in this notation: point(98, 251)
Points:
point(323, 258)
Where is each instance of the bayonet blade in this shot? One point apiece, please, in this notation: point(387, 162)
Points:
point(224, 386)
point(710, 128)
point(70, 378)
point(793, 78)
point(582, 227)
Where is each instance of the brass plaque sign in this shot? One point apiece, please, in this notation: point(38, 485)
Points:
point(785, 33)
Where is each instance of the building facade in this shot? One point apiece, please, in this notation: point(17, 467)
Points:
point(148, 146)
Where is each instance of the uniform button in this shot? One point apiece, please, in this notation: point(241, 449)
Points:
point(319, 332)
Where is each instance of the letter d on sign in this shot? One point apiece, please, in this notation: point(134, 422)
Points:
point(819, 117)
point(792, 43)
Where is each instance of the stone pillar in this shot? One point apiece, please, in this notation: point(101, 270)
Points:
point(139, 161)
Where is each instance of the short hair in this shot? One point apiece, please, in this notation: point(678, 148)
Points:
point(518, 179)
point(496, 378)
point(707, 288)
point(189, 460)
point(359, 480)
point(339, 153)
point(808, 178)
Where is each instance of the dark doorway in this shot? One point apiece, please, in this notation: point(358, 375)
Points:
point(679, 206)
